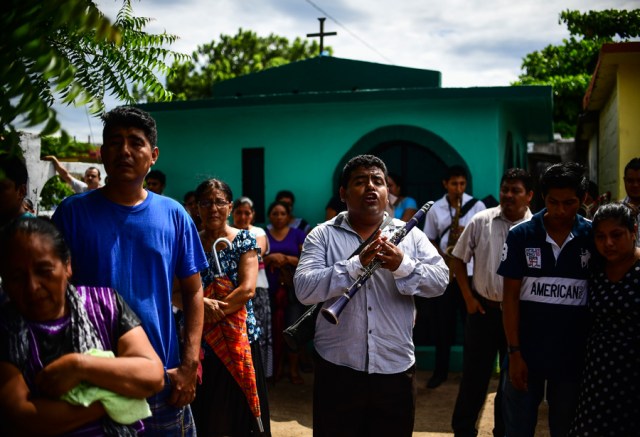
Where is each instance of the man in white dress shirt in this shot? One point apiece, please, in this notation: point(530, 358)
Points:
point(365, 370)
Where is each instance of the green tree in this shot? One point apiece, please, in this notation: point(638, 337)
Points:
point(230, 57)
point(67, 51)
point(59, 148)
point(568, 67)
point(54, 192)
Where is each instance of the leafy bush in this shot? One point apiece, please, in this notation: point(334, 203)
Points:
point(53, 192)
point(61, 148)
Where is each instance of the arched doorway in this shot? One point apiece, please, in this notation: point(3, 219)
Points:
point(420, 168)
point(419, 155)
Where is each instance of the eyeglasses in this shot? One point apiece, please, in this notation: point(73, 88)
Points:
point(219, 203)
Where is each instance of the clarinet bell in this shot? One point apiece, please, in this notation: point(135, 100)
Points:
point(332, 313)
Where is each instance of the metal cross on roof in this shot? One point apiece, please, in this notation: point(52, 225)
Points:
point(322, 34)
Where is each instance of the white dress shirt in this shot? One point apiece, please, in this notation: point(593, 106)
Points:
point(374, 333)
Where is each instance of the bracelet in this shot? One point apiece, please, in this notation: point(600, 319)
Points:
point(513, 349)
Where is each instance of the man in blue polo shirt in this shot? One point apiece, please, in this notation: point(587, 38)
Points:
point(545, 264)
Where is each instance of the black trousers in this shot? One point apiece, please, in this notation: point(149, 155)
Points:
point(221, 408)
point(484, 339)
point(442, 314)
point(350, 403)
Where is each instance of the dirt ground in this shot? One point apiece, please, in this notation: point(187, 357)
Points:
point(291, 414)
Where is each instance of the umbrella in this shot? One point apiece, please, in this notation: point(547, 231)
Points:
point(228, 338)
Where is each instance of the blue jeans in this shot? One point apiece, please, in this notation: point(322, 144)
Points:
point(166, 420)
point(520, 408)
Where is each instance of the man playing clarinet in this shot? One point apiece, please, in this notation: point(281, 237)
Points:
point(365, 369)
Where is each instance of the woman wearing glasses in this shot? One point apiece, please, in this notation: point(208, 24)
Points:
point(221, 407)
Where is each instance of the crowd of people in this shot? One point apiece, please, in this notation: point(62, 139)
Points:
point(130, 313)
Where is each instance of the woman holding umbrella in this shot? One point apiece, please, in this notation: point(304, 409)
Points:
point(227, 401)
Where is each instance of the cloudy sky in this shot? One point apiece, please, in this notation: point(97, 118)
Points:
point(471, 42)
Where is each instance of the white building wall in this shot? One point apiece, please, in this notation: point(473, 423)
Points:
point(41, 171)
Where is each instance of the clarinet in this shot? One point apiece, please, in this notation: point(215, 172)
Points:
point(332, 313)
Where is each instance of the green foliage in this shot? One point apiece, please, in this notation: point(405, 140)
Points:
point(53, 192)
point(68, 51)
point(568, 67)
point(230, 57)
point(60, 148)
point(605, 24)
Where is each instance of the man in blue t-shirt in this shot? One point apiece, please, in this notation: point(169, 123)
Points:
point(545, 264)
point(127, 238)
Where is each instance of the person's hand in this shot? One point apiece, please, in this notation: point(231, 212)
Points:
point(183, 384)
point(518, 372)
point(474, 306)
point(214, 310)
point(380, 248)
point(280, 259)
point(390, 256)
point(370, 250)
point(61, 375)
point(276, 260)
point(49, 158)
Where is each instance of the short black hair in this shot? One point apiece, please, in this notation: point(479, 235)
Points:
point(158, 175)
point(187, 195)
point(129, 116)
point(399, 181)
point(623, 213)
point(518, 174)
point(564, 175)
point(214, 184)
point(454, 171)
point(94, 168)
point(634, 164)
point(282, 194)
point(12, 167)
point(592, 189)
point(42, 227)
point(366, 161)
point(285, 205)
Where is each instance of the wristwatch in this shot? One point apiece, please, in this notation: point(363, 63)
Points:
point(513, 349)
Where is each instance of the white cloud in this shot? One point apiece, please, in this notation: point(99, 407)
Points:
point(471, 42)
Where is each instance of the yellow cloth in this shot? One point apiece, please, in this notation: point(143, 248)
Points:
point(120, 408)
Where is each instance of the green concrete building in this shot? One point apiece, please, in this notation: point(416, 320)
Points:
point(295, 126)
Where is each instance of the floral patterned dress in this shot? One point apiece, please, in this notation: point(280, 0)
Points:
point(229, 259)
point(220, 407)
